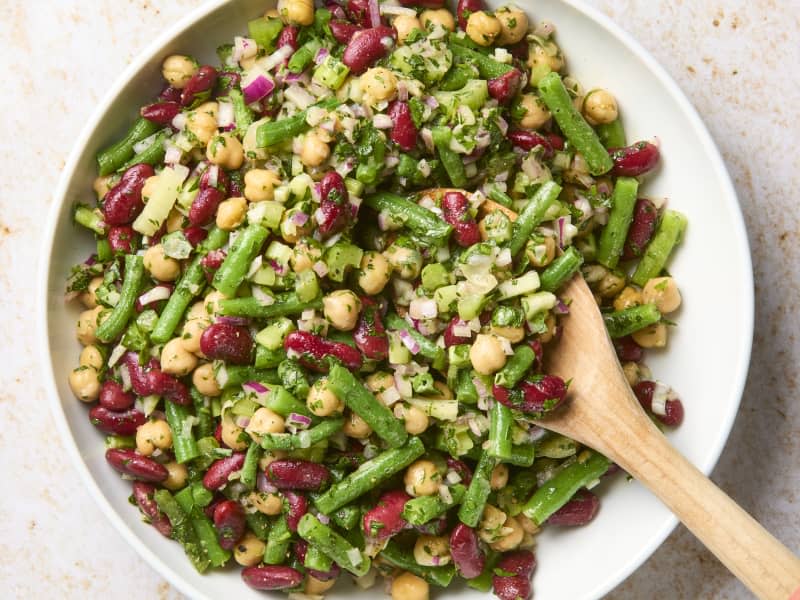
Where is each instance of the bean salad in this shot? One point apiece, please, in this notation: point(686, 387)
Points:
point(326, 280)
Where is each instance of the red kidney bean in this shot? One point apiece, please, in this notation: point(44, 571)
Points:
point(538, 350)
point(520, 50)
point(143, 495)
point(336, 9)
point(358, 12)
point(152, 380)
point(467, 555)
point(533, 397)
point(123, 202)
point(366, 47)
point(578, 511)
point(674, 416)
point(451, 338)
point(518, 562)
point(505, 87)
point(220, 471)
point(296, 474)
point(271, 577)
point(461, 468)
point(512, 588)
point(300, 549)
point(204, 206)
point(227, 81)
point(297, 507)
point(343, 31)
point(128, 462)
point(218, 436)
point(288, 37)
point(673, 406)
point(334, 201)
point(113, 397)
point(645, 215)
point(385, 519)
point(628, 350)
point(528, 140)
point(211, 262)
point(170, 94)
point(404, 132)
point(195, 235)
point(123, 239)
point(212, 506)
point(556, 141)
point(202, 81)
point(456, 212)
point(634, 160)
point(231, 343)
point(370, 335)
point(116, 422)
point(312, 350)
point(465, 8)
point(230, 523)
point(434, 527)
point(423, 3)
point(161, 113)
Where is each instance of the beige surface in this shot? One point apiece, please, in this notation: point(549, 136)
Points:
point(739, 63)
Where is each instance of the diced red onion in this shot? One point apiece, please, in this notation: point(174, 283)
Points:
point(391, 9)
point(276, 58)
point(321, 55)
point(255, 265)
point(173, 154)
point(560, 222)
point(298, 420)
point(243, 48)
point(423, 308)
point(536, 433)
point(262, 297)
point(222, 375)
point(236, 321)
point(324, 519)
point(403, 386)
point(299, 218)
point(506, 345)
point(474, 427)
point(242, 421)
point(320, 268)
point(374, 13)
point(408, 341)
point(263, 484)
point(402, 88)
point(427, 137)
point(561, 308)
point(158, 293)
point(390, 395)
point(258, 88)
point(225, 114)
point(255, 387)
point(179, 121)
point(452, 477)
point(431, 102)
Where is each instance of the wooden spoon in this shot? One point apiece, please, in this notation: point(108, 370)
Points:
point(604, 414)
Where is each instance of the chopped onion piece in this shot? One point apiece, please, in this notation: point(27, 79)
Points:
point(158, 293)
point(660, 397)
point(408, 341)
point(276, 58)
point(354, 556)
point(116, 354)
point(382, 121)
point(257, 88)
point(445, 495)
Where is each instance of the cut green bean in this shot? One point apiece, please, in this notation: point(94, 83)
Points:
point(202, 410)
point(113, 157)
point(453, 163)
point(115, 323)
point(624, 322)
point(532, 215)
point(236, 375)
point(427, 348)
point(281, 401)
point(488, 67)
point(277, 542)
point(303, 56)
point(250, 467)
point(612, 239)
point(259, 524)
point(521, 455)
point(500, 197)
point(152, 155)
point(424, 509)
point(347, 517)
point(333, 545)
point(182, 530)
point(396, 556)
point(91, 218)
point(234, 268)
point(578, 131)
point(273, 132)
point(561, 270)
point(241, 112)
point(269, 359)
point(183, 443)
point(517, 366)
point(478, 491)
point(500, 422)
point(285, 305)
point(668, 234)
point(303, 439)
point(425, 224)
point(316, 559)
point(612, 135)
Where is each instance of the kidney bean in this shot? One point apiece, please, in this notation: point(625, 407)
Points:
point(467, 555)
point(645, 215)
point(634, 160)
point(518, 562)
point(385, 520)
point(300, 548)
point(116, 422)
point(195, 235)
point(123, 202)
point(343, 31)
point(370, 335)
point(404, 133)
point(336, 9)
point(297, 507)
point(528, 140)
point(230, 523)
point(465, 8)
point(202, 81)
point(221, 469)
point(451, 338)
point(143, 495)
point(312, 350)
point(113, 397)
point(128, 462)
point(358, 12)
point(505, 87)
point(423, 3)
point(673, 406)
point(161, 113)
point(533, 397)
point(674, 416)
point(224, 341)
point(366, 47)
point(296, 474)
point(578, 511)
point(170, 94)
point(271, 577)
point(123, 239)
point(152, 380)
point(538, 350)
point(461, 468)
point(227, 81)
point(455, 208)
point(204, 206)
point(288, 37)
point(211, 262)
point(520, 50)
point(434, 527)
point(334, 200)
point(628, 350)
point(511, 588)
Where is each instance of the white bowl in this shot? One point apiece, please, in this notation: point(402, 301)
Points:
point(708, 352)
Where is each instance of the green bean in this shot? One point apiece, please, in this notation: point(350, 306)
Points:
point(457, 77)
point(281, 401)
point(303, 56)
point(424, 509)
point(104, 252)
point(239, 374)
point(561, 270)
point(453, 163)
point(241, 112)
point(369, 476)
point(624, 322)
point(612, 239)
point(500, 421)
point(488, 67)
point(277, 542)
point(396, 556)
point(287, 304)
point(182, 530)
point(304, 439)
point(478, 491)
point(517, 366)
point(113, 157)
point(90, 218)
point(347, 517)
point(578, 131)
point(483, 582)
point(190, 285)
point(667, 236)
point(183, 443)
point(427, 348)
point(202, 410)
point(532, 215)
point(521, 456)
point(120, 441)
point(258, 523)
point(556, 492)
point(152, 155)
point(517, 491)
point(500, 197)
point(234, 268)
point(333, 545)
point(112, 327)
point(362, 402)
point(316, 559)
point(269, 359)
point(423, 223)
point(466, 391)
point(250, 467)
point(273, 132)
point(612, 135)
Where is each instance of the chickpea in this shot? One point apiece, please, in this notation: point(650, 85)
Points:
point(269, 457)
point(85, 383)
point(410, 587)
point(406, 262)
point(205, 381)
point(91, 357)
point(415, 419)
point(550, 323)
point(101, 186)
point(231, 213)
point(226, 151)
point(611, 285)
point(211, 302)
point(486, 354)
point(159, 265)
point(438, 17)
point(202, 124)
point(600, 107)
point(259, 184)
point(404, 25)
point(632, 373)
point(512, 534)
point(513, 25)
point(491, 525)
point(499, 477)
point(88, 322)
point(538, 57)
point(315, 151)
point(542, 254)
point(316, 586)
point(375, 272)
point(304, 257)
point(430, 550)
point(152, 435)
point(653, 336)
point(177, 476)
point(249, 551)
point(378, 85)
point(264, 421)
point(536, 113)
point(422, 478)
point(290, 231)
point(231, 433)
point(178, 70)
point(512, 334)
point(296, 12)
point(594, 274)
point(193, 328)
point(528, 525)
point(176, 359)
point(89, 297)
point(174, 221)
point(664, 293)
point(268, 504)
point(341, 308)
point(322, 401)
point(379, 382)
point(356, 427)
point(628, 297)
point(483, 28)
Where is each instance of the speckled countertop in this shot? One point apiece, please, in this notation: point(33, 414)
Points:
point(739, 63)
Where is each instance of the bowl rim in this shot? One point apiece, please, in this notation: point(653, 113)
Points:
point(155, 47)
